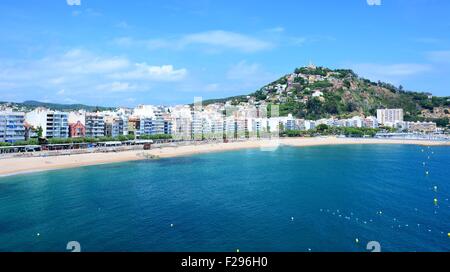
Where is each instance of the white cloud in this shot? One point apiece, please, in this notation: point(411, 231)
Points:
point(442, 56)
point(215, 40)
point(212, 87)
point(277, 29)
point(73, 2)
point(389, 72)
point(246, 76)
point(143, 71)
point(298, 40)
point(225, 39)
point(374, 2)
point(244, 70)
point(116, 86)
point(123, 25)
point(84, 72)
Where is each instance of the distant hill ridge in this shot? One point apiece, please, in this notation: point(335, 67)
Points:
point(31, 104)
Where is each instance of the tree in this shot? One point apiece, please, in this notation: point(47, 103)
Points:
point(39, 132)
point(322, 128)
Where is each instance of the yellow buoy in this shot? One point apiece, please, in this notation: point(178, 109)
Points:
point(448, 234)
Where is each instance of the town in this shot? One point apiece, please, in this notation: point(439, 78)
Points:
point(195, 122)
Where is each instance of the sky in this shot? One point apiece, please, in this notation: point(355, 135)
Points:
point(166, 52)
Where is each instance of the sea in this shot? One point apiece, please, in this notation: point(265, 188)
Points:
point(347, 198)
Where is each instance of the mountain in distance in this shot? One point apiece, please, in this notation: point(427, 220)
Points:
point(318, 92)
point(31, 104)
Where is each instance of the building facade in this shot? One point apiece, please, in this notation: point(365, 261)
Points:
point(12, 127)
point(77, 130)
point(153, 126)
point(57, 125)
point(95, 125)
point(389, 116)
point(116, 126)
point(54, 124)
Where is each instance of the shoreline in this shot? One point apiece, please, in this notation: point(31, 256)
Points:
point(27, 165)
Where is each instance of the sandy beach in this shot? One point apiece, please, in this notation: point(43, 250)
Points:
point(13, 166)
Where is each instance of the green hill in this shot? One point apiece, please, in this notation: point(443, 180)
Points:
point(318, 92)
point(30, 105)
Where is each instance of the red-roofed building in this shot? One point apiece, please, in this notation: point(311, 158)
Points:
point(77, 130)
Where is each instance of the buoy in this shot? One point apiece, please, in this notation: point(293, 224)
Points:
point(38, 234)
point(237, 250)
point(435, 188)
point(426, 173)
point(435, 201)
point(448, 234)
point(292, 218)
point(423, 163)
point(171, 225)
point(357, 240)
point(309, 249)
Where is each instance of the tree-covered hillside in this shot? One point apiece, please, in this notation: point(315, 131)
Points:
point(318, 92)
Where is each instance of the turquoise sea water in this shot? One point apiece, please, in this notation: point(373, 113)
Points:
point(293, 199)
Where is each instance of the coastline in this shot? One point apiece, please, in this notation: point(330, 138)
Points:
point(16, 166)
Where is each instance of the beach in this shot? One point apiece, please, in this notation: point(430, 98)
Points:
point(21, 165)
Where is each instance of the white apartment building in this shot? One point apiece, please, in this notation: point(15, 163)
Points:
point(12, 126)
point(181, 117)
point(389, 116)
point(370, 122)
point(54, 124)
point(355, 121)
point(310, 124)
point(95, 125)
point(153, 120)
point(116, 126)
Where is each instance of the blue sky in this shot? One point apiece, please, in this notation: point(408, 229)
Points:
point(123, 53)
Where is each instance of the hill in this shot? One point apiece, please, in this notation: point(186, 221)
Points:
point(318, 92)
point(30, 105)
